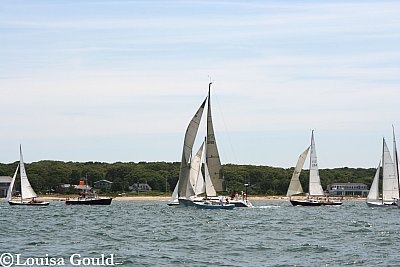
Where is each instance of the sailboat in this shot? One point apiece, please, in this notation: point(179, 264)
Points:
point(189, 184)
point(390, 183)
point(315, 188)
point(28, 195)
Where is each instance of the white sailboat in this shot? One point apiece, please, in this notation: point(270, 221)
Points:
point(191, 182)
point(390, 183)
point(315, 188)
point(28, 195)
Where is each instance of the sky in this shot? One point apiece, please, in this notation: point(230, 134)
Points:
point(119, 80)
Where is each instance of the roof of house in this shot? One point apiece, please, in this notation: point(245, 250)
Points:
point(340, 184)
point(5, 179)
point(103, 181)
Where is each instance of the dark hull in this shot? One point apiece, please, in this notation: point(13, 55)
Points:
point(186, 203)
point(305, 202)
point(97, 201)
point(16, 203)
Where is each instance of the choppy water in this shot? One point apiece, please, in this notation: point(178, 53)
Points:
point(149, 233)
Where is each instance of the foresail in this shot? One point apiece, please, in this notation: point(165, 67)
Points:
point(175, 193)
point(210, 190)
point(213, 160)
point(390, 184)
point(373, 194)
point(190, 137)
point(195, 171)
point(26, 188)
point(315, 188)
point(11, 187)
point(295, 185)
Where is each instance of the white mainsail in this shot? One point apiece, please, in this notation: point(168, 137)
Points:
point(373, 194)
point(315, 188)
point(11, 187)
point(213, 160)
point(390, 185)
point(26, 188)
point(190, 136)
point(295, 185)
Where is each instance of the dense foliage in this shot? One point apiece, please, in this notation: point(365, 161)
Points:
point(263, 180)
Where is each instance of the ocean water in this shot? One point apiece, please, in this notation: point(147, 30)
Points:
point(150, 233)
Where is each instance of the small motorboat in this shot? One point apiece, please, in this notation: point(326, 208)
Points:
point(305, 202)
point(87, 197)
point(88, 201)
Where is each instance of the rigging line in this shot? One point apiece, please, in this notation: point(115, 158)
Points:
point(226, 130)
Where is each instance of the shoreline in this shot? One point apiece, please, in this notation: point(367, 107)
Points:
point(167, 198)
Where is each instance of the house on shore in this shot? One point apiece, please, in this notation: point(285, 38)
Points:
point(140, 187)
point(5, 182)
point(348, 189)
point(102, 184)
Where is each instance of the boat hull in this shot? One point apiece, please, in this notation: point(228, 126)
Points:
point(331, 203)
point(97, 201)
point(381, 205)
point(28, 203)
point(305, 202)
point(214, 207)
point(186, 202)
point(241, 203)
point(173, 203)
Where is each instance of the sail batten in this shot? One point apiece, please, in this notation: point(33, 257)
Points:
point(295, 185)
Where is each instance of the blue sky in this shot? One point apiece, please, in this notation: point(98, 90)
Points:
point(117, 80)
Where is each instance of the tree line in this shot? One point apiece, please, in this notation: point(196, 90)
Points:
point(48, 175)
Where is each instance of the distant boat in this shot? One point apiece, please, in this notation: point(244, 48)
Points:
point(315, 188)
point(87, 197)
point(28, 195)
point(390, 182)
